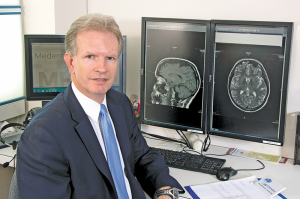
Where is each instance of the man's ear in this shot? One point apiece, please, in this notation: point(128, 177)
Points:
point(69, 61)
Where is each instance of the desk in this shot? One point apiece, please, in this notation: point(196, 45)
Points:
point(6, 154)
point(287, 174)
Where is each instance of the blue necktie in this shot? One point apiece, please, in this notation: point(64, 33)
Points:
point(112, 154)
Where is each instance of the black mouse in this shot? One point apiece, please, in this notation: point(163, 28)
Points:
point(225, 173)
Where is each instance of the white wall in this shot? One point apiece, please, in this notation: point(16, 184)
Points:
point(38, 18)
point(128, 15)
point(67, 11)
point(54, 16)
point(48, 17)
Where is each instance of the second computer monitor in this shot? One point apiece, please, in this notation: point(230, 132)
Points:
point(174, 53)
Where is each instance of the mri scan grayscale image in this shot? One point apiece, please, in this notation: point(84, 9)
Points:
point(248, 85)
point(177, 83)
point(248, 89)
point(173, 88)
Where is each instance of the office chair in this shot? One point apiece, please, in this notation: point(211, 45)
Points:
point(13, 191)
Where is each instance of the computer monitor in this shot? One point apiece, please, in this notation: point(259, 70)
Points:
point(225, 78)
point(120, 81)
point(174, 55)
point(249, 77)
point(47, 74)
point(46, 71)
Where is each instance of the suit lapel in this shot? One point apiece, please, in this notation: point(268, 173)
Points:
point(90, 140)
point(87, 133)
point(117, 115)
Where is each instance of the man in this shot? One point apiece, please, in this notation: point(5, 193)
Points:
point(64, 152)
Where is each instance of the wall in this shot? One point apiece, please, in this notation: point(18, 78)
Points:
point(66, 12)
point(54, 16)
point(128, 15)
point(38, 18)
point(48, 17)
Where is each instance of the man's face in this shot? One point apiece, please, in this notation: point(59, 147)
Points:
point(94, 67)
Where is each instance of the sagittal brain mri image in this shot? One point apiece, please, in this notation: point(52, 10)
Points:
point(248, 85)
point(177, 83)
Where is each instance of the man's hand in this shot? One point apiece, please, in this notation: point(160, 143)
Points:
point(164, 197)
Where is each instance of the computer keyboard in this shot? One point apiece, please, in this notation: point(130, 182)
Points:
point(191, 162)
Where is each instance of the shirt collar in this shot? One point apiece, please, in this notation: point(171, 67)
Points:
point(90, 107)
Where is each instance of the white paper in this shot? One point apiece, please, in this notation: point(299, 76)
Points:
point(235, 189)
point(270, 186)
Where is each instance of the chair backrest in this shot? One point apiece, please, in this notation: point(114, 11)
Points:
point(13, 191)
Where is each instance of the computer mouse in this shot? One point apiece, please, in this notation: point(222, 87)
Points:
point(225, 173)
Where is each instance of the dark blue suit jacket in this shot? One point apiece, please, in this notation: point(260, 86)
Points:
point(59, 155)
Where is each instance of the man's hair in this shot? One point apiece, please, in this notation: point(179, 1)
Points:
point(95, 22)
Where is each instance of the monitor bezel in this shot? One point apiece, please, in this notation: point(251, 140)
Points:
point(28, 64)
point(205, 83)
point(122, 68)
point(281, 130)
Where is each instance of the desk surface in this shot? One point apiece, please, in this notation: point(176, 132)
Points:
point(6, 154)
point(287, 174)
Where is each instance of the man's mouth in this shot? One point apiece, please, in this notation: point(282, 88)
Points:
point(100, 79)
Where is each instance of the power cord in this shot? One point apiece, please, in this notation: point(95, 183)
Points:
point(252, 169)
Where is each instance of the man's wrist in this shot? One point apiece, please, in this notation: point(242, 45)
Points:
point(172, 192)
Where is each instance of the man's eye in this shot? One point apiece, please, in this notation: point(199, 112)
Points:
point(110, 58)
point(90, 56)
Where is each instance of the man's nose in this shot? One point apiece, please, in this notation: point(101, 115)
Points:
point(101, 66)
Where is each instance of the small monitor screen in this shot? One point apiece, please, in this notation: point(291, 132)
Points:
point(173, 66)
point(47, 74)
point(49, 70)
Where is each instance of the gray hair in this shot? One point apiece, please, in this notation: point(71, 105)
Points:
point(96, 22)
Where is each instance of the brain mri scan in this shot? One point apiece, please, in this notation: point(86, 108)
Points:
point(248, 85)
point(177, 83)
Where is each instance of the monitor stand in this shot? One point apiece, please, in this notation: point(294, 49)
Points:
point(44, 103)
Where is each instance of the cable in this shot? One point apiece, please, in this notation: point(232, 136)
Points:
point(153, 138)
point(187, 143)
point(204, 147)
point(252, 169)
point(163, 138)
point(7, 163)
point(14, 144)
point(191, 150)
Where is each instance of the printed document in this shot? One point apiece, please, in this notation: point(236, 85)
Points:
point(237, 189)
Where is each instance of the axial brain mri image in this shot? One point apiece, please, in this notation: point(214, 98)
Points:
point(248, 85)
point(177, 83)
